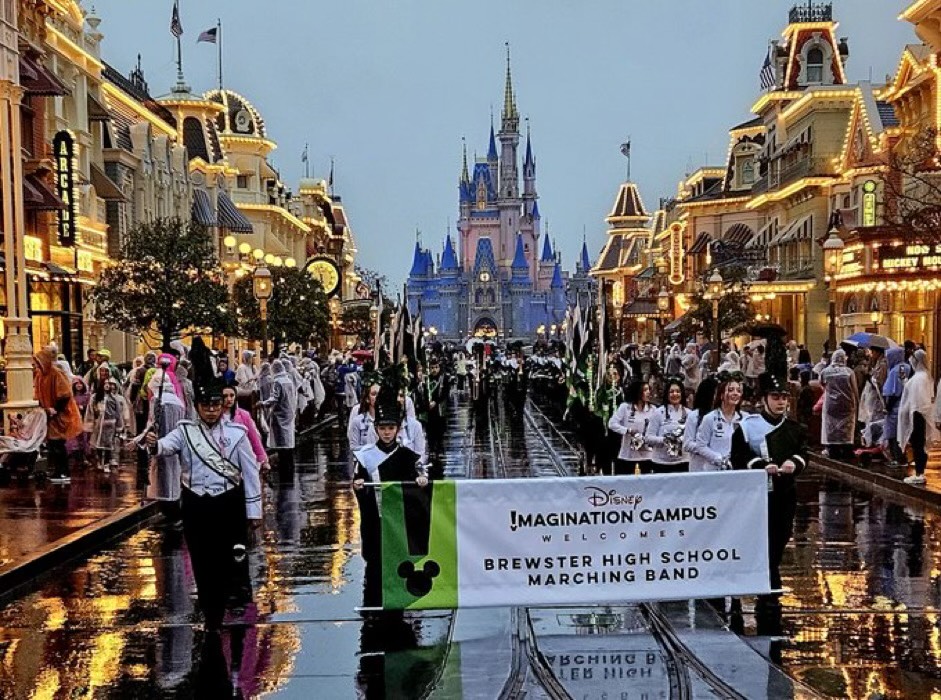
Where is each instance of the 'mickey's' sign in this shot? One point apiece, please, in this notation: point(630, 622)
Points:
point(915, 256)
point(63, 145)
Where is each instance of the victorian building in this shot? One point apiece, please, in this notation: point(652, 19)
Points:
point(492, 280)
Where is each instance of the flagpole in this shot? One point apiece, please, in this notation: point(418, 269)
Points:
point(179, 47)
point(219, 27)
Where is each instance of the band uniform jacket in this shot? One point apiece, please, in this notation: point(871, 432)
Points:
point(231, 440)
point(760, 440)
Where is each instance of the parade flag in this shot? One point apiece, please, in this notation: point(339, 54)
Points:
point(209, 35)
point(767, 72)
point(176, 27)
point(533, 542)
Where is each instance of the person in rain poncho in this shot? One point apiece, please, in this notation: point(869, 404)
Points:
point(246, 380)
point(283, 406)
point(793, 354)
point(899, 371)
point(917, 415)
point(166, 412)
point(840, 406)
point(187, 393)
point(732, 363)
point(672, 365)
point(265, 384)
point(691, 371)
point(304, 393)
point(106, 419)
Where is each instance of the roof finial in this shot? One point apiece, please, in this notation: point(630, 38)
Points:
point(465, 175)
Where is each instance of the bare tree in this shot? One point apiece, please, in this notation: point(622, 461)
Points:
point(912, 182)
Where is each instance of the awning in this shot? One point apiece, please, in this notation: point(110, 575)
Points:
point(799, 139)
point(700, 244)
point(202, 209)
point(58, 270)
point(38, 196)
point(36, 79)
point(641, 308)
point(647, 273)
point(795, 231)
point(675, 323)
point(230, 217)
point(764, 235)
point(97, 111)
point(738, 235)
point(104, 186)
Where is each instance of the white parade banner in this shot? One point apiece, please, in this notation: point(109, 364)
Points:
point(579, 541)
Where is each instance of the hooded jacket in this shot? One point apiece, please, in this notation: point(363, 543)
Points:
point(53, 390)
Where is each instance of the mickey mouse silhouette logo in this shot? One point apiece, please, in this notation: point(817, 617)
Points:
point(419, 582)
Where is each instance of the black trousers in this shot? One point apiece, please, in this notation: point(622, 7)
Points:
point(917, 441)
point(656, 468)
point(213, 526)
point(781, 510)
point(58, 458)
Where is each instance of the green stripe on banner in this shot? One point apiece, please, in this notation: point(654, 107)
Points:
point(419, 552)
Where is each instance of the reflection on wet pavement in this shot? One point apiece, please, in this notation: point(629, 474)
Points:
point(861, 620)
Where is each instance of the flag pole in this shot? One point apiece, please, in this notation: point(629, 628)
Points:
point(179, 47)
point(219, 27)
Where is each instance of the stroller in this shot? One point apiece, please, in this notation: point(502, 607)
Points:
point(872, 448)
point(20, 449)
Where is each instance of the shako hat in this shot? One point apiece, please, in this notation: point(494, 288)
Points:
point(206, 386)
point(774, 379)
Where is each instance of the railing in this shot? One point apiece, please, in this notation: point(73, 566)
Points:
point(805, 167)
point(811, 13)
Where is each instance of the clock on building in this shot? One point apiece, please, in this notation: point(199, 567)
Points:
point(484, 276)
point(325, 270)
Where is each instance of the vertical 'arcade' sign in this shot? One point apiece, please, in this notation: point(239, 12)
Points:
point(676, 254)
point(63, 145)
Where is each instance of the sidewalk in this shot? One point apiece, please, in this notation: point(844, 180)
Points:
point(880, 476)
point(43, 525)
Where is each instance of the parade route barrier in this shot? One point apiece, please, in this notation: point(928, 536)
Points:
point(545, 542)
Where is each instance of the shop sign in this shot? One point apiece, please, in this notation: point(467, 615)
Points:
point(63, 145)
point(869, 203)
point(32, 248)
point(676, 254)
point(85, 261)
point(916, 256)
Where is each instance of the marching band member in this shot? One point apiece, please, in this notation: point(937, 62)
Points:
point(713, 445)
point(384, 460)
point(667, 428)
point(221, 490)
point(632, 422)
point(772, 441)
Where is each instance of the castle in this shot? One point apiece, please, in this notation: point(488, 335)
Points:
point(489, 282)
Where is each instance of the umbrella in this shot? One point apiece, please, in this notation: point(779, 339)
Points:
point(755, 343)
point(870, 340)
point(362, 354)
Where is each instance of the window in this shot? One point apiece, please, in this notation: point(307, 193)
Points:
point(748, 172)
point(241, 181)
point(815, 65)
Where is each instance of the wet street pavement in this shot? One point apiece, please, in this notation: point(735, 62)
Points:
point(861, 619)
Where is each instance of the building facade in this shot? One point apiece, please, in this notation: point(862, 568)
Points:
point(492, 280)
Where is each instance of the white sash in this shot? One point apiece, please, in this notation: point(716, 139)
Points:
point(206, 450)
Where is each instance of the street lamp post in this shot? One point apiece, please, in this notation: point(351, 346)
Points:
point(714, 286)
point(261, 287)
point(663, 306)
point(832, 263)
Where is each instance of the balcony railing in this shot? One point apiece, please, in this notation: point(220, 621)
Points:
point(805, 167)
point(811, 13)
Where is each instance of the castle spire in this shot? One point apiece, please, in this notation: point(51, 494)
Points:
point(529, 163)
point(465, 175)
point(510, 114)
point(492, 151)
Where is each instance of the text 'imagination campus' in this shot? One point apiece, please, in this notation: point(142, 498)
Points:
point(581, 518)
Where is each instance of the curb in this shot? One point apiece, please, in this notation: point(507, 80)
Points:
point(84, 541)
point(863, 478)
point(73, 546)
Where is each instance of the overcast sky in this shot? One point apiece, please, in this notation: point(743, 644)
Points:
point(389, 87)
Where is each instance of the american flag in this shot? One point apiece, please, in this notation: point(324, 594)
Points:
point(176, 28)
point(767, 73)
point(209, 35)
